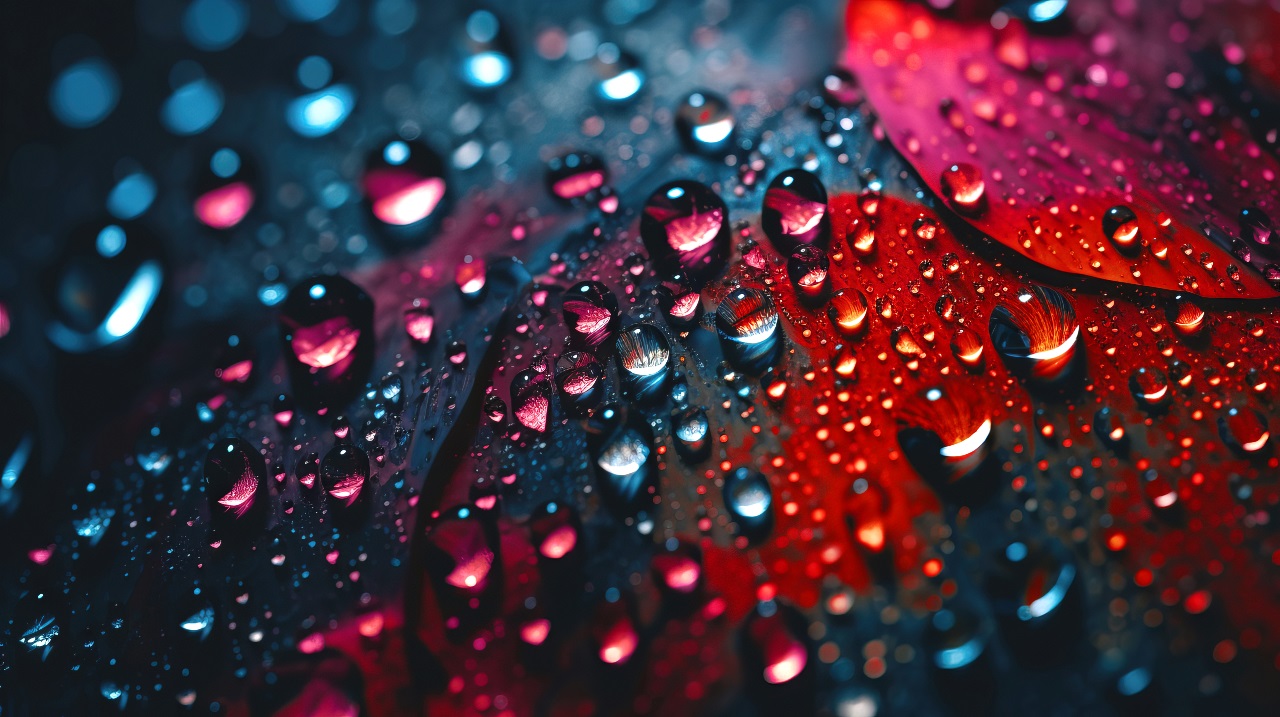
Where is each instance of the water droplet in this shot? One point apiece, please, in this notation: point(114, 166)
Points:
point(747, 316)
point(1150, 387)
point(591, 312)
point(1037, 336)
point(795, 211)
point(623, 455)
point(1256, 226)
point(344, 472)
point(225, 189)
point(749, 498)
point(578, 376)
point(964, 188)
point(621, 75)
point(326, 323)
point(1120, 225)
point(644, 354)
point(1245, 431)
point(404, 183)
point(470, 276)
point(966, 346)
point(103, 287)
point(848, 311)
point(235, 479)
point(705, 122)
point(807, 268)
point(685, 227)
point(487, 62)
point(531, 399)
point(577, 176)
point(419, 320)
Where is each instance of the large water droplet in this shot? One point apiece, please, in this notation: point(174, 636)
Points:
point(705, 122)
point(795, 211)
point(326, 324)
point(591, 312)
point(1038, 338)
point(404, 182)
point(235, 479)
point(685, 227)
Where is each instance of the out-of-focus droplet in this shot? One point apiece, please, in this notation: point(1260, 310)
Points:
point(470, 276)
point(576, 176)
point(1245, 431)
point(795, 211)
point(225, 190)
point(419, 320)
point(749, 499)
point(685, 227)
point(104, 287)
point(705, 122)
point(621, 76)
point(1256, 226)
point(326, 324)
point(487, 60)
point(404, 183)
point(623, 454)
point(840, 89)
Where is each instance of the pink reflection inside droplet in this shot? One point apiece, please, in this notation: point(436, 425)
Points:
point(326, 343)
point(559, 543)
point(225, 207)
point(240, 497)
point(400, 197)
point(578, 185)
point(471, 572)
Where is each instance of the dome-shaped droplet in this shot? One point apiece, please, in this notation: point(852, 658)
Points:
point(866, 512)
point(234, 479)
point(926, 229)
point(487, 61)
point(685, 227)
point(967, 346)
point(344, 473)
point(556, 531)
point(104, 287)
point(579, 377)
point(419, 320)
point(807, 269)
point(848, 311)
point(576, 176)
point(749, 498)
point(225, 189)
point(795, 211)
point(1188, 318)
point(621, 75)
point(1150, 386)
point(531, 393)
point(691, 429)
point(462, 562)
point(964, 188)
point(677, 570)
point(681, 305)
point(1245, 431)
point(1037, 336)
point(308, 470)
point(591, 313)
point(1120, 225)
point(747, 316)
point(326, 324)
point(947, 437)
point(404, 182)
point(470, 276)
point(644, 355)
point(776, 663)
point(1256, 226)
point(1109, 427)
point(840, 89)
point(705, 122)
point(1038, 599)
point(624, 459)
